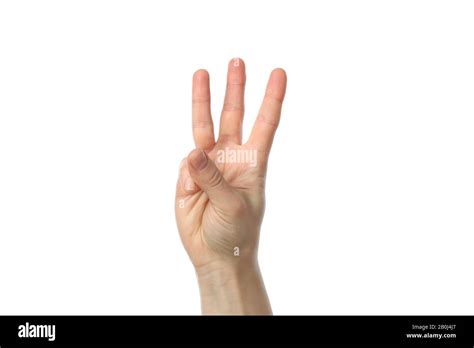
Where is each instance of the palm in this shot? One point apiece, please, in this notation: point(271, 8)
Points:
point(243, 176)
point(225, 226)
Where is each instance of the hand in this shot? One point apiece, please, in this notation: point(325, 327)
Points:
point(220, 194)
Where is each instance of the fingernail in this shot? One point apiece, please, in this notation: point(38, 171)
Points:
point(189, 184)
point(236, 62)
point(198, 159)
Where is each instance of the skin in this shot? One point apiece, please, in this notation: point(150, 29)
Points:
point(219, 203)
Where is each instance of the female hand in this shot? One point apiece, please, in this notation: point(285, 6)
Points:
point(220, 194)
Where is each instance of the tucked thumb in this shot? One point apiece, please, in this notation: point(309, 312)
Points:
point(208, 177)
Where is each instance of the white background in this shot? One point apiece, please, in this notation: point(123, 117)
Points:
point(370, 194)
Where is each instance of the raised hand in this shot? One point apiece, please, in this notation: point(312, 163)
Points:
point(220, 194)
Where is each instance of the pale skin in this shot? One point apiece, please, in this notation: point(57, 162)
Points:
point(220, 201)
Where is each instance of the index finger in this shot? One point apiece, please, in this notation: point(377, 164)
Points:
point(203, 128)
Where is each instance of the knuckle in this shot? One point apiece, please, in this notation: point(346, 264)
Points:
point(183, 168)
point(201, 100)
point(273, 99)
point(230, 107)
point(202, 124)
point(268, 121)
point(226, 138)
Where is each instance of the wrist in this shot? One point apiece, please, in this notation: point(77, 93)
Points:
point(232, 288)
point(226, 269)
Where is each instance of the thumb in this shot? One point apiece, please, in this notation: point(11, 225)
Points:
point(206, 175)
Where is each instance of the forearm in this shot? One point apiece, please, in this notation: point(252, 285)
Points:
point(233, 289)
